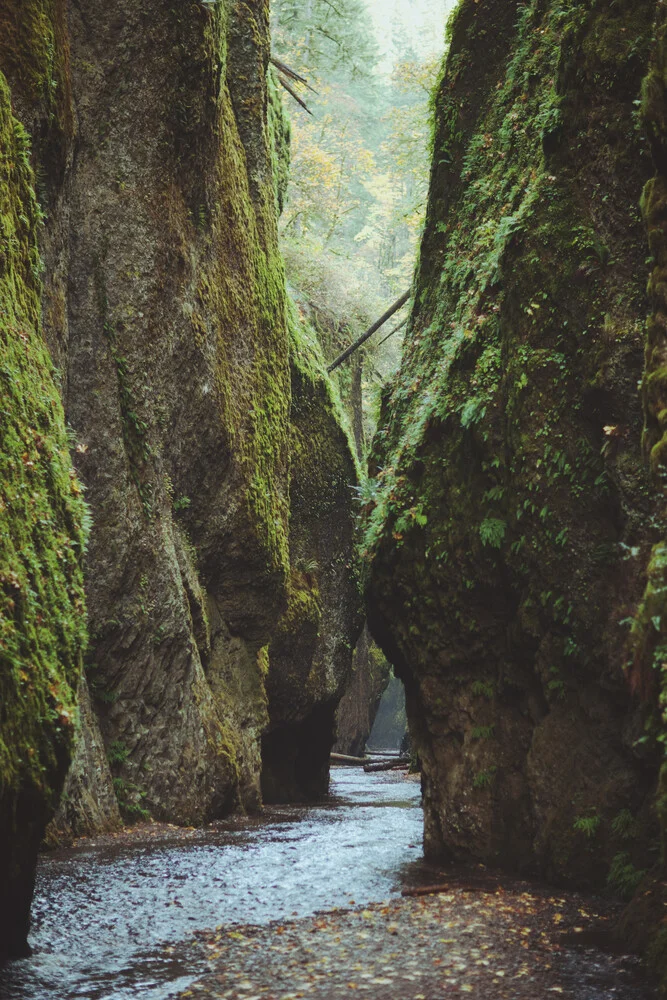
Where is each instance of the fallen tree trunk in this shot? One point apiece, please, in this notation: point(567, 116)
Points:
point(388, 765)
point(426, 890)
point(369, 333)
point(343, 758)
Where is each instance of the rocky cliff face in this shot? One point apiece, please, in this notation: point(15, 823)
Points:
point(643, 923)
point(177, 390)
point(159, 156)
point(358, 707)
point(513, 513)
point(42, 516)
point(310, 655)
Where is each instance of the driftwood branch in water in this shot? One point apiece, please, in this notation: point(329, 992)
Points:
point(290, 90)
point(387, 765)
point(343, 758)
point(426, 890)
point(369, 333)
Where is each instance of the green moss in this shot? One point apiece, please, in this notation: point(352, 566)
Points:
point(251, 372)
point(303, 606)
point(42, 514)
point(34, 53)
point(515, 296)
point(507, 473)
point(279, 130)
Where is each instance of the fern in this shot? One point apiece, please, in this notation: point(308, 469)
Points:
point(623, 877)
point(482, 732)
point(624, 825)
point(492, 532)
point(588, 825)
point(484, 778)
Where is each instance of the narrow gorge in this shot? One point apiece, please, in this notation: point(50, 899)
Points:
point(214, 552)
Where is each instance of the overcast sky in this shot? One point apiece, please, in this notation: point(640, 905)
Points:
point(401, 25)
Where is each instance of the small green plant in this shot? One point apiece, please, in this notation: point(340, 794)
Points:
point(492, 532)
point(130, 808)
point(624, 825)
point(623, 878)
point(472, 412)
point(307, 566)
point(588, 825)
point(102, 694)
point(482, 732)
point(181, 504)
point(484, 778)
point(117, 752)
point(556, 684)
point(483, 689)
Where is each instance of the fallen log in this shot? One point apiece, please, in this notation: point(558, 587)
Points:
point(369, 333)
point(343, 758)
point(387, 765)
point(427, 890)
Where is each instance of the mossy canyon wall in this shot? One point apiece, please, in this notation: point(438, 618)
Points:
point(151, 272)
point(515, 519)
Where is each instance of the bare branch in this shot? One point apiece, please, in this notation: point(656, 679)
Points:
point(296, 97)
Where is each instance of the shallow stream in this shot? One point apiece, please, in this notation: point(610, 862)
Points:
point(117, 917)
point(104, 910)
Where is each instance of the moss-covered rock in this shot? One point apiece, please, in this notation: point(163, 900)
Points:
point(177, 389)
point(512, 507)
point(42, 515)
point(643, 923)
point(310, 655)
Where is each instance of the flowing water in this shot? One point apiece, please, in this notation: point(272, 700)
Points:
point(116, 918)
point(103, 911)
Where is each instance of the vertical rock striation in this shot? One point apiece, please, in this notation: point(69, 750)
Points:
point(358, 707)
point(310, 655)
point(160, 152)
point(177, 388)
point(513, 510)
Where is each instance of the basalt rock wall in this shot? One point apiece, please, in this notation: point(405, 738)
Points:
point(176, 387)
point(42, 516)
point(513, 513)
point(310, 655)
point(359, 705)
point(159, 158)
point(162, 302)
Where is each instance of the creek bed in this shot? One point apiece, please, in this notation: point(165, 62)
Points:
point(104, 910)
point(126, 916)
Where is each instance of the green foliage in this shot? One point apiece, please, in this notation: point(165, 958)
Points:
point(484, 689)
point(129, 797)
point(484, 779)
point(482, 732)
point(492, 532)
point(587, 825)
point(623, 878)
point(117, 752)
point(329, 36)
point(624, 825)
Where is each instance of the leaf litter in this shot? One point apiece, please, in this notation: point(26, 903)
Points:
point(494, 945)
